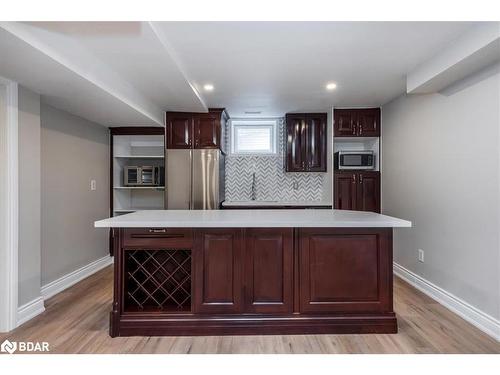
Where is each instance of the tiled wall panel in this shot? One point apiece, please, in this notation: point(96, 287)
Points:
point(272, 183)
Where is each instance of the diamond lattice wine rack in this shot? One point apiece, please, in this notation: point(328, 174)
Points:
point(158, 280)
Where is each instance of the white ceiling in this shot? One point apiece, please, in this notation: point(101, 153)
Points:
point(121, 73)
point(278, 67)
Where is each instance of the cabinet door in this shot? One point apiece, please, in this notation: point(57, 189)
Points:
point(316, 142)
point(179, 130)
point(369, 122)
point(348, 270)
point(344, 190)
point(269, 270)
point(207, 130)
point(217, 282)
point(295, 143)
point(368, 191)
point(345, 121)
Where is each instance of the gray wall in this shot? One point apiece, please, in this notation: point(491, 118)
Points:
point(74, 151)
point(440, 160)
point(29, 195)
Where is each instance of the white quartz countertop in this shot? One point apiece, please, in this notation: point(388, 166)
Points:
point(253, 218)
point(274, 203)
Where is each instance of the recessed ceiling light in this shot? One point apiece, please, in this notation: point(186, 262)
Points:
point(331, 86)
point(208, 87)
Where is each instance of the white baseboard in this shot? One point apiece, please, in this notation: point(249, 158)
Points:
point(476, 317)
point(64, 282)
point(30, 310)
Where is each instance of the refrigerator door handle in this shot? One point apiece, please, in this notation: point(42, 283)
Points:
point(191, 195)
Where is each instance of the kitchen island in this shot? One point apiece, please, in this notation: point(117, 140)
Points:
point(232, 272)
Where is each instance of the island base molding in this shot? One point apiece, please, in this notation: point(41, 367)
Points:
point(253, 326)
point(252, 281)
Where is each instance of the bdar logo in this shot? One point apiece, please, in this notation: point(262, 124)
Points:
point(8, 347)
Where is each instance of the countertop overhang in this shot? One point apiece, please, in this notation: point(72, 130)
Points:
point(282, 218)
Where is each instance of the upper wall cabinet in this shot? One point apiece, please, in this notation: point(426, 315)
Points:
point(179, 130)
point(363, 122)
point(196, 130)
point(306, 142)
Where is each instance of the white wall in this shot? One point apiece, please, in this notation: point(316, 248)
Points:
point(29, 196)
point(440, 160)
point(74, 151)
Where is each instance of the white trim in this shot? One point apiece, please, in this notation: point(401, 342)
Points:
point(64, 282)
point(271, 123)
point(29, 310)
point(9, 268)
point(476, 317)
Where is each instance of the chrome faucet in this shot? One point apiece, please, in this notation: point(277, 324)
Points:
point(253, 187)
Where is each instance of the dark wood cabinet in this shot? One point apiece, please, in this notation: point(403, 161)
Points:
point(316, 142)
point(345, 122)
point(295, 142)
point(207, 129)
point(345, 270)
point(368, 191)
point(357, 190)
point(345, 191)
point(268, 270)
point(220, 281)
point(306, 145)
point(187, 130)
point(179, 130)
point(357, 122)
point(217, 277)
point(369, 122)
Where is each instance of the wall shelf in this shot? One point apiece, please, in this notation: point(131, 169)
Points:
point(159, 188)
point(139, 156)
point(128, 210)
point(142, 146)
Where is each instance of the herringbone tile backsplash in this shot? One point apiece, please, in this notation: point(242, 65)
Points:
point(271, 181)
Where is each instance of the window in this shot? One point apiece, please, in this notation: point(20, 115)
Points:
point(253, 137)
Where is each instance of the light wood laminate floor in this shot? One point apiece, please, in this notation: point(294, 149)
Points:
point(76, 321)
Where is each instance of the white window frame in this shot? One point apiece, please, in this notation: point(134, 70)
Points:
point(253, 123)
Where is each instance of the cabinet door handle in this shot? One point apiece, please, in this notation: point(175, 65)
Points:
point(360, 179)
point(157, 231)
point(353, 128)
point(353, 178)
point(360, 128)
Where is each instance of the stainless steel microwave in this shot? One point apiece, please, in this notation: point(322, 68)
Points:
point(143, 176)
point(354, 160)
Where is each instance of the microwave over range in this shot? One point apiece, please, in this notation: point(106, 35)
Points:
point(143, 176)
point(354, 160)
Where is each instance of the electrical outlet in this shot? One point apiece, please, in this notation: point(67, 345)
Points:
point(93, 185)
point(295, 185)
point(420, 255)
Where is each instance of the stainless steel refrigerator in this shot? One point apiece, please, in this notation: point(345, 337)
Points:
point(194, 179)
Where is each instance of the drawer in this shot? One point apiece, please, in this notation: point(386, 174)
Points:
point(157, 238)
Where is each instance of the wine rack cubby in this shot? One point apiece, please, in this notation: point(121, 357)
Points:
point(158, 281)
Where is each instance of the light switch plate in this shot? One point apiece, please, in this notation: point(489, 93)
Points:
point(420, 255)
